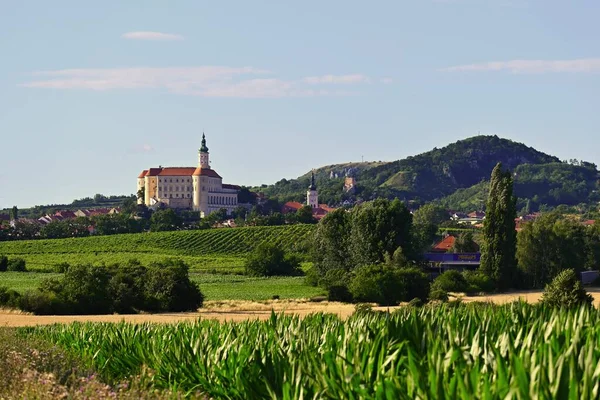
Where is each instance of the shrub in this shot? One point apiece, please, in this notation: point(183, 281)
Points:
point(439, 295)
point(388, 286)
point(61, 268)
point(339, 293)
point(416, 283)
point(168, 288)
point(450, 281)
point(269, 260)
point(16, 265)
point(41, 303)
point(9, 297)
point(3, 263)
point(126, 289)
point(86, 289)
point(336, 282)
point(311, 277)
point(566, 291)
point(477, 282)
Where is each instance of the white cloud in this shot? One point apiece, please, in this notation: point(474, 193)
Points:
point(147, 148)
point(533, 66)
point(337, 79)
point(206, 81)
point(386, 81)
point(146, 35)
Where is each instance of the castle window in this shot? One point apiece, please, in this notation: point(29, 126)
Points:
point(170, 180)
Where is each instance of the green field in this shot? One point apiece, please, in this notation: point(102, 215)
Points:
point(213, 286)
point(516, 351)
point(211, 250)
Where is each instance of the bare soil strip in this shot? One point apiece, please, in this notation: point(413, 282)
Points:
point(245, 310)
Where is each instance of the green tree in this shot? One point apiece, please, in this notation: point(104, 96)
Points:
point(465, 243)
point(269, 260)
point(378, 228)
point(426, 221)
point(304, 215)
point(332, 242)
point(498, 253)
point(549, 245)
point(165, 220)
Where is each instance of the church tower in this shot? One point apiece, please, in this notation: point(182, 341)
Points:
point(203, 154)
point(312, 196)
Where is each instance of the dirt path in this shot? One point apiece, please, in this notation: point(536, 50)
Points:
point(245, 310)
point(219, 310)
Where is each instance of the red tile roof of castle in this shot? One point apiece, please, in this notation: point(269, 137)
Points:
point(143, 174)
point(177, 171)
point(153, 171)
point(228, 186)
point(211, 173)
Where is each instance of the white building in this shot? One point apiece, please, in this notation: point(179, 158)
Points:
point(199, 188)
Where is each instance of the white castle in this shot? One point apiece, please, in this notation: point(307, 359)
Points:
point(198, 188)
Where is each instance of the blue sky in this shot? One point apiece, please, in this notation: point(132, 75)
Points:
point(91, 93)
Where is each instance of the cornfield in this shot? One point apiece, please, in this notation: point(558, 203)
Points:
point(516, 351)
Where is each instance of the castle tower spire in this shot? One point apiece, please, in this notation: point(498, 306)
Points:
point(203, 161)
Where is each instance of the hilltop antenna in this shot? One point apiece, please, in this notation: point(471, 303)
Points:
point(362, 158)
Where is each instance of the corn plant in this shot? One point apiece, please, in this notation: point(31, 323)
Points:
point(515, 351)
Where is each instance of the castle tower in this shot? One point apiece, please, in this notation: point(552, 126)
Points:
point(203, 154)
point(312, 196)
point(199, 181)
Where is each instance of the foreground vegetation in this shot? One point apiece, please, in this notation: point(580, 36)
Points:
point(436, 352)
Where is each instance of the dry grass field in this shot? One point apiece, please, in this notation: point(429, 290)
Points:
point(235, 310)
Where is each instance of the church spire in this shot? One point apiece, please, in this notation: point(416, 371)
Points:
point(312, 181)
point(203, 149)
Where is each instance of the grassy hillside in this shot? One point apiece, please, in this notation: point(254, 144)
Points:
point(218, 249)
point(428, 176)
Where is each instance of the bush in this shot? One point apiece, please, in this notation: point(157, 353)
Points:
point(126, 289)
point(16, 265)
point(86, 289)
point(388, 286)
point(339, 293)
point(168, 288)
point(9, 297)
point(566, 291)
point(450, 281)
point(438, 295)
point(3, 263)
point(269, 260)
point(478, 282)
point(61, 268)
point(311, 277)
point(41, 303)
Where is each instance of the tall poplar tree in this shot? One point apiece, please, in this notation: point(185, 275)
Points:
point(498, 253)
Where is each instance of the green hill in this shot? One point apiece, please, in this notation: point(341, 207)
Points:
point(221, 249)
point(428, 176)
point(536, 185)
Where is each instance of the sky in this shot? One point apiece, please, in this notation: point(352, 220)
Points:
point(92, 93)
